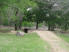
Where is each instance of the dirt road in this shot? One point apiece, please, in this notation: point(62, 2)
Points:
point(55, 42)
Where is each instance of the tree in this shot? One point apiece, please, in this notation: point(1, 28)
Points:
point(19, 8)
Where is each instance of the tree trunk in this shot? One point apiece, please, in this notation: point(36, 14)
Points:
point(66, 27)
point(52, 28)
point(37, 25)
point(49, 27)
point(16, 28)
point(20, 25)
point(20, 21)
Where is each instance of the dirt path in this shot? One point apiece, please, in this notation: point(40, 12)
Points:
point(55, 42)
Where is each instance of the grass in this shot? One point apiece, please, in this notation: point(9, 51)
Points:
point(28, 43)
point(64, 36)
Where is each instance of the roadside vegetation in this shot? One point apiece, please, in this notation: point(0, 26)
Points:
point(64, 36)
point(28, 43)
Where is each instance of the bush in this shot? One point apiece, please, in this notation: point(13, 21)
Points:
point(40, 25)
point(27, 24)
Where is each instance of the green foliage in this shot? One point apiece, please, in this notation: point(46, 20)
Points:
point(15, 11)
point(40, 24)
point(27, 24)
point(5, 22)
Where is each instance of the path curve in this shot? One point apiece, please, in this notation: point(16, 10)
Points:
point(54, 41)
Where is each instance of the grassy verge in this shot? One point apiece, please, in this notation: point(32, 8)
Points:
point(64, 36)
point(28, 43)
